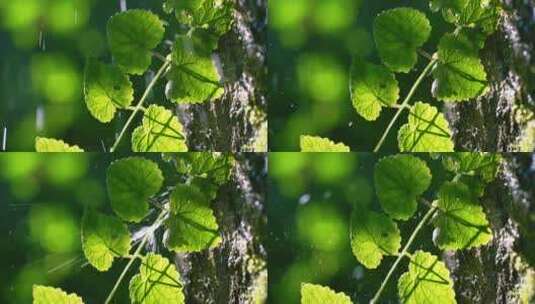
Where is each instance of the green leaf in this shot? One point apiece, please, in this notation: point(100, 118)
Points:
point(216, 167)
point(459, 74)
point(317, 294)
point(427, 281)
point(480, 14)
point(372, 236)
point(372, 87)
point(104, 238)
point(485, 165)
point(131, 182)
point(192, 225)
point(461, 222)
point(106, 89)
point(319, 144)
point(398, 34)
point(132, 35)
point(160, 132)
point(50, 295)
point(193, 78)
point(43, 144)
point(426, 131)
point(399, 181)
point(158, 282)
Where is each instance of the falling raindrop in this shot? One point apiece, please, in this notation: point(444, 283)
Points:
point(304, 199)
point(39, 118)
point(122, 4)
point(75, 16)
point(358, 273)
point(40, 39)
point(293, 107)
point(327, 195)
point(350, 124)
point(4, 139)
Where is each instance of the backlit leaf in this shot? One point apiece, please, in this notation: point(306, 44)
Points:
point(104, 238)
point(319, 144)
point(373, 235)
point(459, 74)
point(191, 225)
point(317, 294)
point(106, 89)
point(132, 35)
point(426, 131)
point(131, 182)
point(372, 87)
point(461, 222)
point(160, 132)
point(50, 295)
point(158, 282)
point(43, 144)
point(399, 181)
point(398, 34)
point(193, 78)
point(216, 167)
point(481, 14)
point(427, 281)
point(473, 163)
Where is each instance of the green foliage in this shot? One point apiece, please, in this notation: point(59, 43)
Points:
point(157, 282)
point(54, 145)
point(398, 34)
point(427, 281)
point(191, 225)
point(104, 238)
point(461, 222)
point(317, 294)
point(319, 144)
point(399, 181)
point(160, 132)
point(131, 181)
point(106, 89)
point(50, 295)
point(193, 78)
point(185, 214)
point(133, 38)
point(459, 74)
point(132, 35)
point(373, 235)
point(426, 130)
point(372, 87)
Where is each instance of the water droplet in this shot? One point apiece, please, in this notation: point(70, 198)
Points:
point(327, 194)
point(39, 118)
point(350, 124)
point(304, 199)
point(358, 273)
point(293, 107)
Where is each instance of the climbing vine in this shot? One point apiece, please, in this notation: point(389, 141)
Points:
point(138, 198)
point(134, 37)
point(402, 185)
point(458, 75)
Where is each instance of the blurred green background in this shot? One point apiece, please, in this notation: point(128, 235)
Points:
point(311, 43)
point(43, 47)
point(310, 200)
point(42, 198)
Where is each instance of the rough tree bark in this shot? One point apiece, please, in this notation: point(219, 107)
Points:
point(502, 272)
point(235, 272)
point(238, 119)
point(502, 119)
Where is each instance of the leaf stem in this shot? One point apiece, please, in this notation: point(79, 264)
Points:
point(403, 253)
point(139, 105)
point(405, 103)
point(154, 226)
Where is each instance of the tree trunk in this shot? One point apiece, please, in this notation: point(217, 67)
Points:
point(235, 272)
point(238, 120)
point(503, 120)
point(502, 272)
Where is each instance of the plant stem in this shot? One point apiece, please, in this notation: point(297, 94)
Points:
point(139, 105)
point(405, 103)
point(131, 258)
point(403, 253)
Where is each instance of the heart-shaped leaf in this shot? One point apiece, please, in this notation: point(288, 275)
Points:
point(399, 180)
point(160, 132)
point(106, 89)
point(132, 35)
point(398, 34)
point(426, 131)
point(372, 87)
